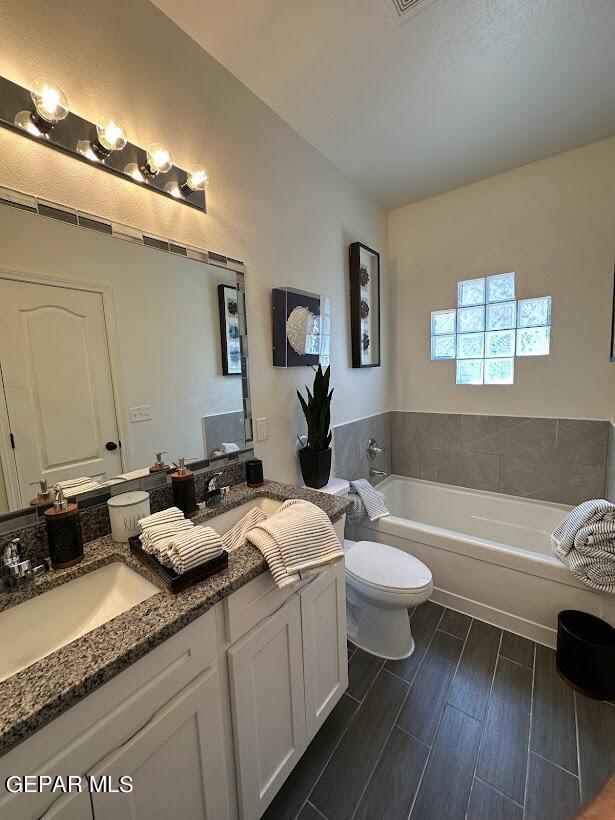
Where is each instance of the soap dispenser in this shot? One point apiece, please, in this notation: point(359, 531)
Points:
point(44, 493)
point(184, 490)
point(159, 465)
point(64, 533)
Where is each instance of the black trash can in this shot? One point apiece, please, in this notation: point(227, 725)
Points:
point(586, 653)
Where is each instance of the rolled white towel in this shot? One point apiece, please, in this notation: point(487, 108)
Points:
point(236, 537)
point(190, 549)
point(162, 517)
point(157, 538)
point(229, 447)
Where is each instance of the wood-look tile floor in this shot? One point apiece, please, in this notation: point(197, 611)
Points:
point(475, 725)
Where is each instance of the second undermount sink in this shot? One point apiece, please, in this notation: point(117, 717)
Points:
point(45, 623)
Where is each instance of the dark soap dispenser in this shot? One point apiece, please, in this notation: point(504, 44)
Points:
point(64, 533)
point(184, 490)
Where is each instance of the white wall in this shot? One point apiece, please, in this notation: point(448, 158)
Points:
point(553, 223)
point(275, 202)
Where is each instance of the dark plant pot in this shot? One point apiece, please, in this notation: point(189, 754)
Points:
point(315, 467)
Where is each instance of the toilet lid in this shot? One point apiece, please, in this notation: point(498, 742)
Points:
point(380, 565)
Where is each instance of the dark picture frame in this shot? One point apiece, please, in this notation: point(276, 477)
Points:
point(364, 305)
point(230, 344)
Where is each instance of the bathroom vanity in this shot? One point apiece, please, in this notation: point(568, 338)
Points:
point(206, 699)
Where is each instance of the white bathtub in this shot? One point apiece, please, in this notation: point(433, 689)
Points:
point(490, 554)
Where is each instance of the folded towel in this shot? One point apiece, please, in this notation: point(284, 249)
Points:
point(73, 483)
point(86, 487)
point(229, 447)
point(297, 539)
point(188, 550)
point(162, 517)
point(236, 537)
point(374, 501)
point(358, 511)
point(156, 539)
point(585, 541)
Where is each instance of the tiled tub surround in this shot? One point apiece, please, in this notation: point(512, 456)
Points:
point(42, 691)
point(350, 446)
point(561, 460)
point(95, 522)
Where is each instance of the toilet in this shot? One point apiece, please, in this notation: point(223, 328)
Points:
point(382, 582)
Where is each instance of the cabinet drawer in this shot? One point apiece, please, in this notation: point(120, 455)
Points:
point(252, 603)
point(80, 737)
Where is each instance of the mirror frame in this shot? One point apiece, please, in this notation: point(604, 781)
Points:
point(17, 519)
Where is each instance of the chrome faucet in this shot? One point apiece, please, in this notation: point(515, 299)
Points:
point(212, 491)
point(15, 569)
point(373, 449)
point(374, 473)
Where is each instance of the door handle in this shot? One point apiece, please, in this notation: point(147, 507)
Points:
point(111, 446)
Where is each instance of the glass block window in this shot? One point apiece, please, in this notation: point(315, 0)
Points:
point(471, 292)
point(489, 328)
point(443, 321)
point(443, 347)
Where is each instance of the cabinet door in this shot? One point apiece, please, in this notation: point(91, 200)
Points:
point(325, 657)
point(75, 806)
point(176, 761)
point(268, 705)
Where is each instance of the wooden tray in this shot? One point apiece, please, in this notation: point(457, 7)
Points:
point(170, 578)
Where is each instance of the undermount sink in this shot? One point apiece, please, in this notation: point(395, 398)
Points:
point(45, 623)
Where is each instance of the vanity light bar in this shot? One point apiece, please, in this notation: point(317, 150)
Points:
point(43, 114)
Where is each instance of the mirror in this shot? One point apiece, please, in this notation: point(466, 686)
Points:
point(110, 352)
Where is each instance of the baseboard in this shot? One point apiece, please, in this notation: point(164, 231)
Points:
point(512, 623)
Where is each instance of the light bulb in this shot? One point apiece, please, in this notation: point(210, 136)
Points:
point(197, 180)
point(50, 104)
point(159, 160)
point(111, 136)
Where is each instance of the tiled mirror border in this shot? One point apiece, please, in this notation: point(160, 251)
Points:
point(19, 519)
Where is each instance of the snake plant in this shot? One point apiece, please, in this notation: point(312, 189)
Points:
point(317, 411)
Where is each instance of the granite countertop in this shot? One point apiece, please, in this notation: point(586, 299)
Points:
point(38, 694)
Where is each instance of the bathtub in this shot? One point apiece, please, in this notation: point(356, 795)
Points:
point(490, 554)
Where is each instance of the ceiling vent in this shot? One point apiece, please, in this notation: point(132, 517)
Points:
point(402, 10)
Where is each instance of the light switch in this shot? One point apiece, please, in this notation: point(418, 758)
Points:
point(143, 413)
point(261, 429)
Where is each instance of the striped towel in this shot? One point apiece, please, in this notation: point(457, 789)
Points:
point(155, 539)
point(295, 541)
point(236, 537)
point(374, 501)
point(585, 541)
point(162, 517)
point(74, 486)
point(358, 511)
point(190, 549)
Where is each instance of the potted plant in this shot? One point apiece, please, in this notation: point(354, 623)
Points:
point(315, 457)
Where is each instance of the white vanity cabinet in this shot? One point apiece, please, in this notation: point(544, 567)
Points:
point(175, 762)
point(207, 725)
point(286, 675)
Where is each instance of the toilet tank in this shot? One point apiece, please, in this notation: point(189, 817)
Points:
point(338, 486)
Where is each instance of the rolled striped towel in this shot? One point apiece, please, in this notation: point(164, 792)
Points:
point(374, 501)
point(87, 487)
point(155, 538)
point(190, 549)
point(297, 539)
point(585, 541)
point(236, 536)
point(162, 517)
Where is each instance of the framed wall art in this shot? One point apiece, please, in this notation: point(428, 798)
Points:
point(365, 305)
point(229, 331)
point(301, 328)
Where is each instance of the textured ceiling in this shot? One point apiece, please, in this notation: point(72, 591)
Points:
point(463, 90)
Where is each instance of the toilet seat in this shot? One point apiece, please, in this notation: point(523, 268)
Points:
point(385, 568)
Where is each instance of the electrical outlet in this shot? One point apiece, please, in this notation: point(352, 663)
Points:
point(143, 413)
point(261, 429)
